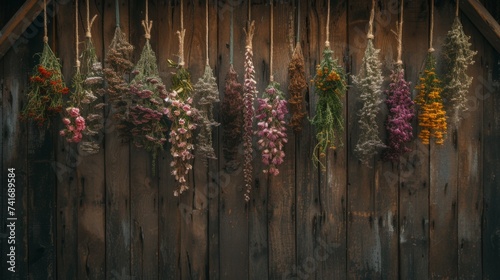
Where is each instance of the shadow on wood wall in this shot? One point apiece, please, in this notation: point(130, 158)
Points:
point(105, 216)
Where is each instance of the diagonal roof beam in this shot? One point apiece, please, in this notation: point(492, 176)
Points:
point(483, 21)
point(16, 26)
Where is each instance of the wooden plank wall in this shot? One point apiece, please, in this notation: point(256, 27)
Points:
point(106, 216)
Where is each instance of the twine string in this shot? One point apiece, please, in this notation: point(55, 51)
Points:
point(117, 13)
point(431, 49)
point(45, 37)
point(457, 8)
point(147, 24)
point(271, 78)
point(181, 33)
point(298, 21)
point(206, 30)
point(231, 38)
point(400, 34)
point(327, 42)
point(76, 38)
point(89, 22)
point(370, 24)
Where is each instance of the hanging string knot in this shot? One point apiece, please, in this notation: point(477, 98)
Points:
point(147, 28)
point(88, 34)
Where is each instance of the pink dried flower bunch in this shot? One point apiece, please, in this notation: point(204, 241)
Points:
point(249, 93)
point(183, 116)
point(401, 114)
point(271, 128)
point(75, 124)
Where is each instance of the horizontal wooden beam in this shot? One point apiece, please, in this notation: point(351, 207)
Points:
point(483, 20)
point(19, 23)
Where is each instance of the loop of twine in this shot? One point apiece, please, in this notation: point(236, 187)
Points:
point(76, 37)
point(88, 34)
point(271, 78)
point(370, 24)
point(327, 42)
point(400, 35)
point(147, 24)
point(181, 33)
point(431, 49)
point(45, 37)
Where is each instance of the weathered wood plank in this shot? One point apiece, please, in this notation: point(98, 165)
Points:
point(470, 175)
point(443, 253)
point(233, 211)
point(117, 166)
point(170, 217)
point(483, 20)
point(491, 154)
point(281, 210)
point(91, 183)
point(14, 155)
point(258, 222)
point(307, 186)
point(413, 178)
point(67, 160)
point(143, 185)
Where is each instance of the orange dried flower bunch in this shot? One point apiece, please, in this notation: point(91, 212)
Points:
point(432, 117)
point(46, 89)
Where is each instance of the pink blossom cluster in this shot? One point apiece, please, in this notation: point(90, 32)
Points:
point(182, 114)
point(271, 128)
point(401, 114)
point(75, 124)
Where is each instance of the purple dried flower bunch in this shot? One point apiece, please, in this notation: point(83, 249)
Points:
point(271, 130)
point(401, 113)
point(184, 117)
point(232, 119)
point(147, 93)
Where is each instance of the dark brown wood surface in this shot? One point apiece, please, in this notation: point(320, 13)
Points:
point(109, 216)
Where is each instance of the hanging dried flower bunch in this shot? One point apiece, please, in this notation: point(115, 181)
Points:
point(296, 88)
point(458, 56)
point(46, 88)
point(232, 119)
point(116, 72)
point(432, 117)
point(401, 114)
point(249, 93)
point(206, 94)
point(75, 125)
point(184, 119)
point(271, 127)
point(330, 85)
point(369, 83)
point(147, 109)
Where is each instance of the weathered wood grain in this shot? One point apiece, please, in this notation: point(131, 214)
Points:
point(413, 179)
point(443, 253)
point(470, 153)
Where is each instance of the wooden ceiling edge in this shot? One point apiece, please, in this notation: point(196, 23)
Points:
point(483, 20)
point(16, 26)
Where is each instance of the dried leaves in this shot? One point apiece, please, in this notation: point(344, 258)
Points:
point(296, 88)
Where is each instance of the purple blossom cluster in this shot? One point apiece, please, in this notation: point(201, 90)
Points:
point(401, 114)
point(75, 124)
point(182, 114)
point(271, 128)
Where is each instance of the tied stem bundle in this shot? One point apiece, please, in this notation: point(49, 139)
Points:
point(147, 93)
point(369, 83)
point(457, 57)
point(117, 70)
point(46, 86)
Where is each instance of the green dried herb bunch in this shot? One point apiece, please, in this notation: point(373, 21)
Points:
point(369, 83)
point(457, 57)
point(206, 94)
point(46, 89)
point(116, 73)
point(330, 85)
